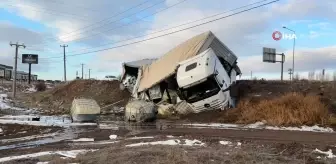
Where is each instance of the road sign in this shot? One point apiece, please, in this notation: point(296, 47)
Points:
point(30, 58)
point(269, 55)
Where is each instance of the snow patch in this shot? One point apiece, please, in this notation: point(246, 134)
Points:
point(170, 142)
point(97, 143)
point(193, 143)
point(84, 140)
point(225, 142)
point(214, 125)
point(28, 138)
point(107, 126)
point(314, 128)
point(113, 137)
point(239, 144)
point(261, 125)
point(170, 136)
point(137, 138)
point(44, 121)
point(42, 162)
point(70, 154)
point(1, 131)
point(32, 89)
point(328, 153)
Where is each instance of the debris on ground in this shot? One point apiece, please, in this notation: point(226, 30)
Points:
point(84, 110)
point(140, 111)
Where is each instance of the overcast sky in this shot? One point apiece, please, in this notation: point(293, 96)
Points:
point(86, 26)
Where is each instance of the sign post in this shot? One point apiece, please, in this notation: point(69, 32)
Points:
point(269, 56)
point(30, 59)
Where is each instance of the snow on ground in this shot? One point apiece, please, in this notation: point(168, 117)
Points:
point(32, 89)
point(261, 125)
point(137, 138)
point(42, 162)
point(314, 128)
point(108, 126)
point(169, 142)
point(225, 142)
point(3, 101)
point(214, 125)
point(28, 138)
point(193, 143)
point(83, 140)
point(95, 143)
point(170, 136)
point(70, 154)
point(113, 137)
point(59, 121)
point(328, 153)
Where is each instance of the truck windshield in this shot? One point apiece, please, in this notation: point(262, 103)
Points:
point(201, 91)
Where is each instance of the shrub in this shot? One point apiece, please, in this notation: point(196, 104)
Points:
point(40, 86)
point(292, 109)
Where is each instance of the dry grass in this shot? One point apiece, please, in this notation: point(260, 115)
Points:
point(292, 109)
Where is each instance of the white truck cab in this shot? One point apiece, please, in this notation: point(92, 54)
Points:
point(201, 80)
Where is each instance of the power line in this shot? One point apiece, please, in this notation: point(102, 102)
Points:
point(128, 16)
point(187, 28)
point(101, 21)
point(166, 29)
point(112, 29)
point(44, 10)
point(77, 6)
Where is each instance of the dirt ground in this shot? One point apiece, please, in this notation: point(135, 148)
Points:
point(57, 101)
point(257, 146)
point(252, 150)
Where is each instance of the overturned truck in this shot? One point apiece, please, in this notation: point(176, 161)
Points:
point(195, 72)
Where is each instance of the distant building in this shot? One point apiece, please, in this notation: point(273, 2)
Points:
point(5, 72)
point(24, 76)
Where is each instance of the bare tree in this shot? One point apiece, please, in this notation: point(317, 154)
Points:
point(334, 76)
point(327, 77)
point(297, 76)
point(311, 75)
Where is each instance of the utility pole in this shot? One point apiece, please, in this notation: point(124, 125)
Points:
point(17, 46)
point(82, 71)
point(64, 60)
point(290, 72)
point(89, 73)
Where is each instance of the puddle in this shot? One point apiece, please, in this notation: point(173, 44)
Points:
point(66, 134)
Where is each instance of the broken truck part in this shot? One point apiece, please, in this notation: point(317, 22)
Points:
point(140, 111)
point(223, 73)
point(84, 110)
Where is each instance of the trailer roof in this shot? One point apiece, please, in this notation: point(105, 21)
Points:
point(166, 66)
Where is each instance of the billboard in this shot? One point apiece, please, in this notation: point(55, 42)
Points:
point(269, 55)
point(30, 58)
